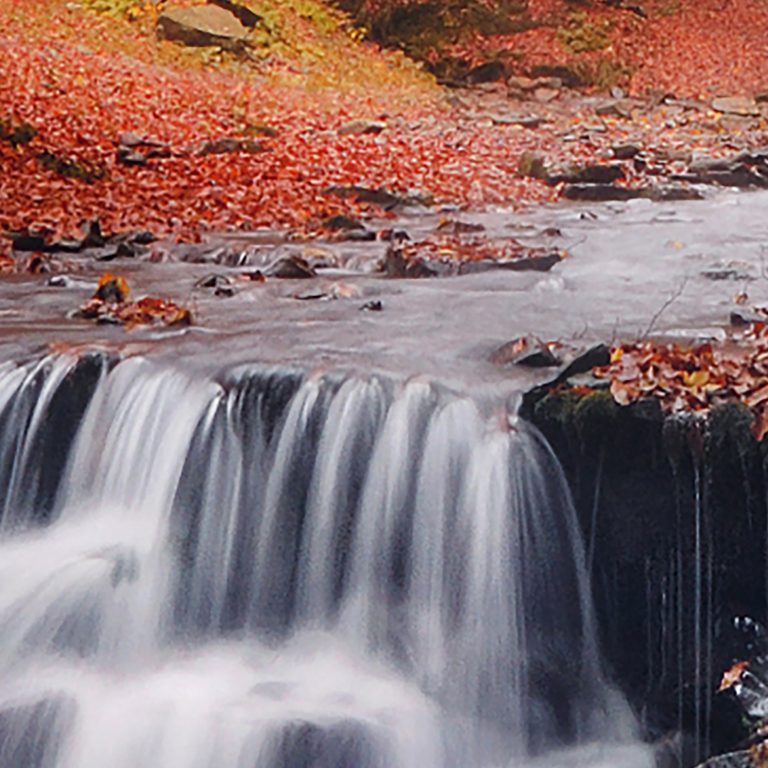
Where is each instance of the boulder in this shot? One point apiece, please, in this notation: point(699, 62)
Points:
point(203, 25)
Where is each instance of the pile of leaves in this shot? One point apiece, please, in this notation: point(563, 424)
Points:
point(109, 304)
point(462, 250)
point(693, 379)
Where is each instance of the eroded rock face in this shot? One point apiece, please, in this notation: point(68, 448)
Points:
point(203, 25)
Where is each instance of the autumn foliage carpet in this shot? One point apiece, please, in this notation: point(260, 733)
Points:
point(81, 80)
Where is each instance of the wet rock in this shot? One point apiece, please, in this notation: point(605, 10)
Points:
point(380, 196)
point(609, 192)
point(593, 357)
point(526, 351)
point(342, 223)
point(396, 265)
point(291, 268)
point(590, 173)
point(203, 26)
point(329, 293)
point(736, 105)
point(372, 306)
point(313, 294)
point(726, 273)
point(213, 280)
point(28, 241)
point(107, 253)
point(393, 236)
point(533, 263)
point(454, 227)
point(746, 169)
point(361, 128)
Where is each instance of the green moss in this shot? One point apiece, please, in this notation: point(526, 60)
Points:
point(595, 415)
point(17, 135)
point(670, 8)
point(602, 74)
point(70, 168)
point(581, 35)
point(558, 407)
point(532, 164)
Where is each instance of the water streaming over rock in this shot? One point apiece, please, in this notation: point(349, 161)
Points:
point(273, 570)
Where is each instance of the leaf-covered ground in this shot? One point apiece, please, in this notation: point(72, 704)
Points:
point(689, 48)
point(74, 84)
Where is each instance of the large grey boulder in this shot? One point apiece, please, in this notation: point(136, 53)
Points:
point(203, 25)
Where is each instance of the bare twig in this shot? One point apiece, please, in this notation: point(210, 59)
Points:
point(665, 306)
point(763, 269)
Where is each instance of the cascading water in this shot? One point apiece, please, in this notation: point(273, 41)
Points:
point(280, 571)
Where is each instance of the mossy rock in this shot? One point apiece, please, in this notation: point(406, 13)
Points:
point(581, 35)
point(595, 415)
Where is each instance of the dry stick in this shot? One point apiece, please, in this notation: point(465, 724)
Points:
point(664, 307)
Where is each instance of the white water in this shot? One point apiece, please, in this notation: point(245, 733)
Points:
point(280, 572)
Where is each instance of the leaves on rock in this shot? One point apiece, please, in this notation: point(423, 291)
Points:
point(109, 304)
point(694, 379)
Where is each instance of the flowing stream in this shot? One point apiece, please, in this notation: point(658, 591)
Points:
point(268, 569)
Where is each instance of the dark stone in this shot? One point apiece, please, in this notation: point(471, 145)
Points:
point(665, 504)
point(396, 265)
point(528, 352)
point(107, 253)
point(592, 173)
point(488, 72)
point(625, 151)
point(568, 76)
point(213, 280)
point(533, 263)
point(372, 306)
point(26, 241)
point(343, 223)
point(601, 192)
point(291, 268)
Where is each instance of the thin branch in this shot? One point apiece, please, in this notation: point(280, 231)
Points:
point(665, 306)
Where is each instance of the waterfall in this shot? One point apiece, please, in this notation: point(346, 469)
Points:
point(268, 569)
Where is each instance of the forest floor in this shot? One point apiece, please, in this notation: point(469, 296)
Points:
point(321, 114)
